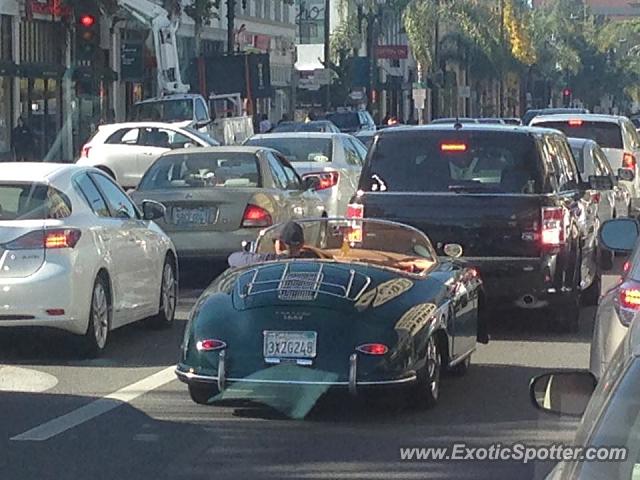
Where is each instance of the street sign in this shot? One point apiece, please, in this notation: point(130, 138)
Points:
point(392, 52)
point(131, 62)
point(322, 76)
point(356, 95)
point(464, 91)
point(419, 97)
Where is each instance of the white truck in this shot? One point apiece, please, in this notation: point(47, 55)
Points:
point(175, 104)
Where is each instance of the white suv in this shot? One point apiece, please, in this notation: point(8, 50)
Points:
point(126, 150)
point(617, 137)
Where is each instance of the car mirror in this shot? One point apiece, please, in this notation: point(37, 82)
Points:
point(248, 246)
point(452, 250)
point(600, 182)
point(564, 393)
point(310, 183)
point(152, 210)
point(619, 234)
point(626, 174)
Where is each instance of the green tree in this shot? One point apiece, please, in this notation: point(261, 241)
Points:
point(202, 12)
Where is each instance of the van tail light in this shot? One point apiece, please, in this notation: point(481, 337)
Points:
point(373, 349)
point(628, 301)
point(552, 233)
point(325, 179)
point(355, 210)
point(46, 239)
point(84, 152)
point(628, 161)
point(255, 216)
point(210, 345)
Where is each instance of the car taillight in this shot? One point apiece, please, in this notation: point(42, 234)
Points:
point(255, 216)
point(325, 179)
point(552, 233)
point(373, 348)
point(355, 210)
point(47, 239)
point(84, 152)
point(210, 345)
point(628, 301)
point(628, 161)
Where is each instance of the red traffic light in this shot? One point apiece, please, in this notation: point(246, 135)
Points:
point(87, 21)
point(566, 92)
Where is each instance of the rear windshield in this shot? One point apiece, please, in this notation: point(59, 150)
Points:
point(297, 149)
point(453, 161)
point(203, 170)
point(32, 201)
point(345, 120)
point(607, 135)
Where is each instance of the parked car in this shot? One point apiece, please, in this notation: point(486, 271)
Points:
point(314, 126)
point(518, 212)
point(612, 199)
point(609, 411)
point(620, 305)
point(216, 198)
point(616, 136)
point(125, 150)
point(352, 121)
point(79, 256)
point(335, 159)
point(367, 306)
point(531, 114)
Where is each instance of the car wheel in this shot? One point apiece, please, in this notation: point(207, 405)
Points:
point(590, 296)
point(428, 383)
point(461, 368)
point(95, 340)
point(202, 394)
point(168, 296)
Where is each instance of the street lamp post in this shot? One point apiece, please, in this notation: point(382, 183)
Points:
point(370, 13)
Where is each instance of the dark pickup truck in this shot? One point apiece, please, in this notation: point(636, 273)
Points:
point(510, 197)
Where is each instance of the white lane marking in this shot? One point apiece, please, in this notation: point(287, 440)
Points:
point(16, 379)
point(94, 409)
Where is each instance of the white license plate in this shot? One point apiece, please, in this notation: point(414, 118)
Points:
point(290, 344)
point(192, 216)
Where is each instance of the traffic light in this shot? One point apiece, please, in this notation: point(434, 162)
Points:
point(87, 33)
point(566, 97)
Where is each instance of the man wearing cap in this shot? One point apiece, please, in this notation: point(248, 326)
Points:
point(288, 245)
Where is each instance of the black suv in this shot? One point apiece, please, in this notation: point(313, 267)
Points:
point(352, 121)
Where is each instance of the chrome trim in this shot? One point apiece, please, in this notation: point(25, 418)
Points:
point(222, 374)
point(186, 376)
point(353, 374)
point(462, 357)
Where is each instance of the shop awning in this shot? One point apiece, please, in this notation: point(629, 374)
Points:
point(8, 69)
point(40, 70)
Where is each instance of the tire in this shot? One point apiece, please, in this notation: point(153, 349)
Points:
point(168, 296)
point(202, 394)
point(94, 341)
point(461, 368)
point(427, 389)
point(591, 295)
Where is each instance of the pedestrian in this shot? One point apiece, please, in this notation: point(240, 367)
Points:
point(265, 124)
point(22, 141)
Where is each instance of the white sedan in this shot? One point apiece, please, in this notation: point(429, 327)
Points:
point(126, 150)
point(76, 254)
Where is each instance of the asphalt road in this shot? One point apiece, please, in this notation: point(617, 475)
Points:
point(124, 416)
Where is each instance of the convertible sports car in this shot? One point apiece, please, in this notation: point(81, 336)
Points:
point(366, 304)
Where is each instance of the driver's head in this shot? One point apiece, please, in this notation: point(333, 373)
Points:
point(291, 238)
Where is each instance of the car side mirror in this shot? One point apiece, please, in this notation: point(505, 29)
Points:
point(202, 123)
point(248, 246)
point(626, 174)
point(619, 235)
point(152, 210)
point(563, 393)
point(600, 182)
point(310, 183)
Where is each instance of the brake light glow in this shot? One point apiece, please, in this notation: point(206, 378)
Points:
point(355, 210)
point(373, 349)
point(552, 233)
point(210, 344)
point(84, 152)
point(575, 123)
point(255, 216)
point(628, 161)
point(325, 179)
point(626, 266)
point(46, 239)
point(453, 147)
point(629, 295)
point(55, 312)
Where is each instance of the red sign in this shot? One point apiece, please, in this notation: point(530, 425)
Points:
point(262, 42)
point(392, 52)
point(48, 7)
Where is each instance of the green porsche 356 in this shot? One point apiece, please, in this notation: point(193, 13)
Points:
point(366, 304)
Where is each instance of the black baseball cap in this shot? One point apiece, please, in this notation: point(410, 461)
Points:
point(292, 234)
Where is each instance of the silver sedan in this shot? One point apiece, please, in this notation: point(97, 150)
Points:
point(218, 197)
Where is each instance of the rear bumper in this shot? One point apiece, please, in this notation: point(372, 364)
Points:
point(526, 282)
point(211, 245)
